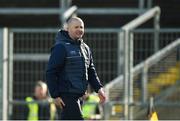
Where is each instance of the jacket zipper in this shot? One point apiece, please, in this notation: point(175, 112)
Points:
point(84, 69)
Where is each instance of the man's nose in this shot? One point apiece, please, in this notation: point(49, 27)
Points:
point(80, 29)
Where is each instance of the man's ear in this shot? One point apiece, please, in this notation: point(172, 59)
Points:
point(65, 27)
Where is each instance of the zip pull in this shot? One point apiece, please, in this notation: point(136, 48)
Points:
point(80, 53)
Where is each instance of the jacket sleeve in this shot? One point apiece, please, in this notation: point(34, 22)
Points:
point(92, 76)
point(55, 64)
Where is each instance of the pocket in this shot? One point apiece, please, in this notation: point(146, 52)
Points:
point(64, 85)
point(77, 84)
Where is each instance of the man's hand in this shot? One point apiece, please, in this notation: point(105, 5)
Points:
point(59, 102)
point(101, 95)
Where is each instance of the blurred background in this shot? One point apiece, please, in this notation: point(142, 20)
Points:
point(135, 44)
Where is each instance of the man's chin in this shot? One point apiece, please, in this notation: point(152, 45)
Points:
point(79, 37)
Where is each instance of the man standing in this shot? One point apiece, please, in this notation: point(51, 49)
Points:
point(40, 106)
point(70, 69)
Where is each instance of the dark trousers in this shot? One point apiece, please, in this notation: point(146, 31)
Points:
point(72, 109)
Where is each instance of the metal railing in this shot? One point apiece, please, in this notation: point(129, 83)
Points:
point(127, 41)
point(30, 47)
point(30, 50)
point(64, 4)
point(1, 70)
point(144, 70)
point(65, 10)
point(4, 70)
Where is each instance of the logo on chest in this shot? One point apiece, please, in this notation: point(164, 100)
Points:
point(73, 52)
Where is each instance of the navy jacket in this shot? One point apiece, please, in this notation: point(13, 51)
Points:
point(70, 67)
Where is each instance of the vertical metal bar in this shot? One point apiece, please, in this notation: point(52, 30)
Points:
point(131, 51)
point(120, 53)
point(151, 102)
point(107, 111)
point(141, 5)
point(131, 61)
point(63, 8)
point(149, 4)
point(126, 75)
point(69, 2)
point(5, 74)
point(10, 85)
point(144, 83)
point(1, 72)
point(178, 60)
point(156, 31)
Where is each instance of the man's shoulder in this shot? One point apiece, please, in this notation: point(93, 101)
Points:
point(58, 46)
point(58, 43)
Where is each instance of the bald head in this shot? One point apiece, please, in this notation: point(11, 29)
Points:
point(74, 19)
point(75, 28)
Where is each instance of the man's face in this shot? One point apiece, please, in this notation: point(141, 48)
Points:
point(76, 29)
point(40, 92)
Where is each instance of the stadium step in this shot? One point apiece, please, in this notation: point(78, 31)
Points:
point(163, 80)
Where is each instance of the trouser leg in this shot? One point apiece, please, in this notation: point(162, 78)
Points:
point(72, 109)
